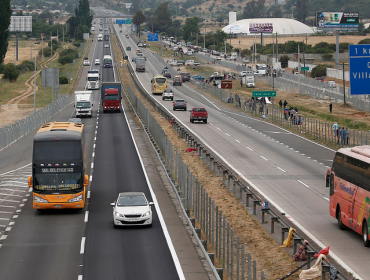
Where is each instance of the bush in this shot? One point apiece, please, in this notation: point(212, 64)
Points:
point(11, 72)
point(2, 68)
point(77, 43)
point(65, 59)
point(70, 52)
point(364, 41)
point(327, 57)
point(319, 71)
point(26, 65)
point(63, 80)
point(56, 45)
point(47, 52)
point(245, 52)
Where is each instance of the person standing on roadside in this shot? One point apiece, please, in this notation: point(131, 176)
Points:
point(347, 136)
point(330, 107)
point(285, 103)
point(343, 136)
point(335, 129)
point(280, 103)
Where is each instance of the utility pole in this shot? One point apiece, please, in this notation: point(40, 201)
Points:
point(344, 87)
point(299, 73)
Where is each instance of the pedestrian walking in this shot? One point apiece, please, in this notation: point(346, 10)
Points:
point(285, 103)
point(280, 103)
point(330, 107)
point(241, 82)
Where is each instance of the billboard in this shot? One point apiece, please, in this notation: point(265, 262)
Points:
point(265, 27)
point(337, 20)
point(20, 24)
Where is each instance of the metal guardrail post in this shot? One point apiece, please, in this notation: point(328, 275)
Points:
point(248, 195)
point(310, 255)
point(255, 203)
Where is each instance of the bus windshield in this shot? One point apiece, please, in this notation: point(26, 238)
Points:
point(63, 151)
point(108, 60)
point(58, 178)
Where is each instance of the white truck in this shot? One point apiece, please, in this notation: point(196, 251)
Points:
point(83, 103)
point(100, 37)
point(93, 78)
point(190, 62)
point(249, 81)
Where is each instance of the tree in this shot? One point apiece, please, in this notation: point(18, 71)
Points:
point(5, 14)
point(190, 27)
point(138, 19)
point(254, 9)
point(302, 8)
point(11, 72)
point(162, 18)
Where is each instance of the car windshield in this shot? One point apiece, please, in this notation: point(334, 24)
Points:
point(131, 200)
point(180, 100)
point(199, 109)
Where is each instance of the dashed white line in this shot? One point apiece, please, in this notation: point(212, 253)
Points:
point(218, 128)
point(94, 146)
point(90, 178)
point(82, 249)
point(88, 194)
point(15, 216)
point(86, 216)
point(11, 223)
point(92, 165)
point(326, 198)
point(263, 157)
point(79, 277)
point(237, 140)
point(227, 134)
point(95, 138)
point(93, 154)
point(3, 237)
point(307, 186)
point(249, 149)
point(281, 169)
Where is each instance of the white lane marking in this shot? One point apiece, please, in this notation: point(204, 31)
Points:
point(218, 128)
point(211, 123)
point(93, 154)
point(94, 146)
point(88, 194)
point(237, 140)
point(249, 149)
point(227, 134)
point(82, 249)
point(86, 216)
point(8, 229)
point(159, 213)
point(326, 198)
point(4, 219)
point(4, 212)
point(307, 186)
point(90, 178)
point(15, 216)
point(92, 165)
point(263, 157)
point(190, 88)
point(11, 223)
point(281, 169)
point(95, 138)
point(3, 237)
point(79, 277)
point(15, 169)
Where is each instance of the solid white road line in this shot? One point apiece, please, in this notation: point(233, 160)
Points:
point(82, 249)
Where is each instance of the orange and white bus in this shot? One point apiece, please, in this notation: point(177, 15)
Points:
point(349, 183)
point(58, 166)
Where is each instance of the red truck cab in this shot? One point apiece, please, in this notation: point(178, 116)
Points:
point(198, 114)
point(112, 100)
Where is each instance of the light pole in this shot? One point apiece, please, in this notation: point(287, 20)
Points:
point(34, 83)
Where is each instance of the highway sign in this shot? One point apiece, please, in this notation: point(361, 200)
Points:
point(305, 68)
point(227, 84)
point(120, 21)
point(152, 37)
point(359, 69)
point(128, 21)
point(271, 93)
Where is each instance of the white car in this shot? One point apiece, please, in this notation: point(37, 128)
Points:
point(97, 61)
point(86, 62)
point(132, 209)
point(106, 46)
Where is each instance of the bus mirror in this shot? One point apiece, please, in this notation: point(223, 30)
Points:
point(327, 181)
point(86, 181)
point(30, 181)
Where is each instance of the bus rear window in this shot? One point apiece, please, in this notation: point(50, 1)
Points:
point(63, 151)
point(160, 80)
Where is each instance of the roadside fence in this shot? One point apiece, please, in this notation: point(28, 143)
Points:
point(11, 133)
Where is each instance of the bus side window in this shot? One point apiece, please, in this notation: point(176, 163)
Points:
point(328, 180)
point(151, 81)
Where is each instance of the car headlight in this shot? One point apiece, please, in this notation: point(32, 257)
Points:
point(117, 214)
point(39, 199)
point(76, 199)
point(146, 214)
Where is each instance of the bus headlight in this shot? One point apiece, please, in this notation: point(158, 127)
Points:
point(39, 199)
point(76, 199)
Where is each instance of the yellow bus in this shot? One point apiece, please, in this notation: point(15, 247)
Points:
point(159, 84)
point(58, 167)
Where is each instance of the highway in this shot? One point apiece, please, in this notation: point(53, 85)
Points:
point(83, 244)
point(288, 170)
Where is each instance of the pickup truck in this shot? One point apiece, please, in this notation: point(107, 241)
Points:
point(191, 62)
point(198, 114)
point(175, 62)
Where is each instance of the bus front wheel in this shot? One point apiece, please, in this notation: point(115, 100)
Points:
point(365, 234)
point(339, 219)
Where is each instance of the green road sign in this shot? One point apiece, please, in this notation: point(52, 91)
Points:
point(128, 21)
point(305, 68)
point(271, 93)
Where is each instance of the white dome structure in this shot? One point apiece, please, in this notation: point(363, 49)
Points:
point(280, 25)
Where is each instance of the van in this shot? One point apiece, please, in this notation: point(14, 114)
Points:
point(332, 84)
point(158, 84)
point(189, 52)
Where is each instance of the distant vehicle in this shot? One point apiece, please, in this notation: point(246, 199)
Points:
point(179, 104)
point(139, 45)
point(321, 79)
point(92, 80)
point(158, 84)
point(185, 77)
point(245, 60)
point(166, 73)
point(249, 81)
point(177, 80)
point(198, 77)
point(106, 37)
point(100, 37)
point(111, 96)
point(93, 28)
point(132, 209)
point(246, 73)
point(332, 84)
point(107, 61)
point(83, 103)
point(140, 64)
point(218, 58)
point(190, 62)
point(198, 114)
point(167, 94)
point(120, 31)
point(106, 46)
point(189, 53)
point(126, 35)
point(97, 61)
point(86, 62)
